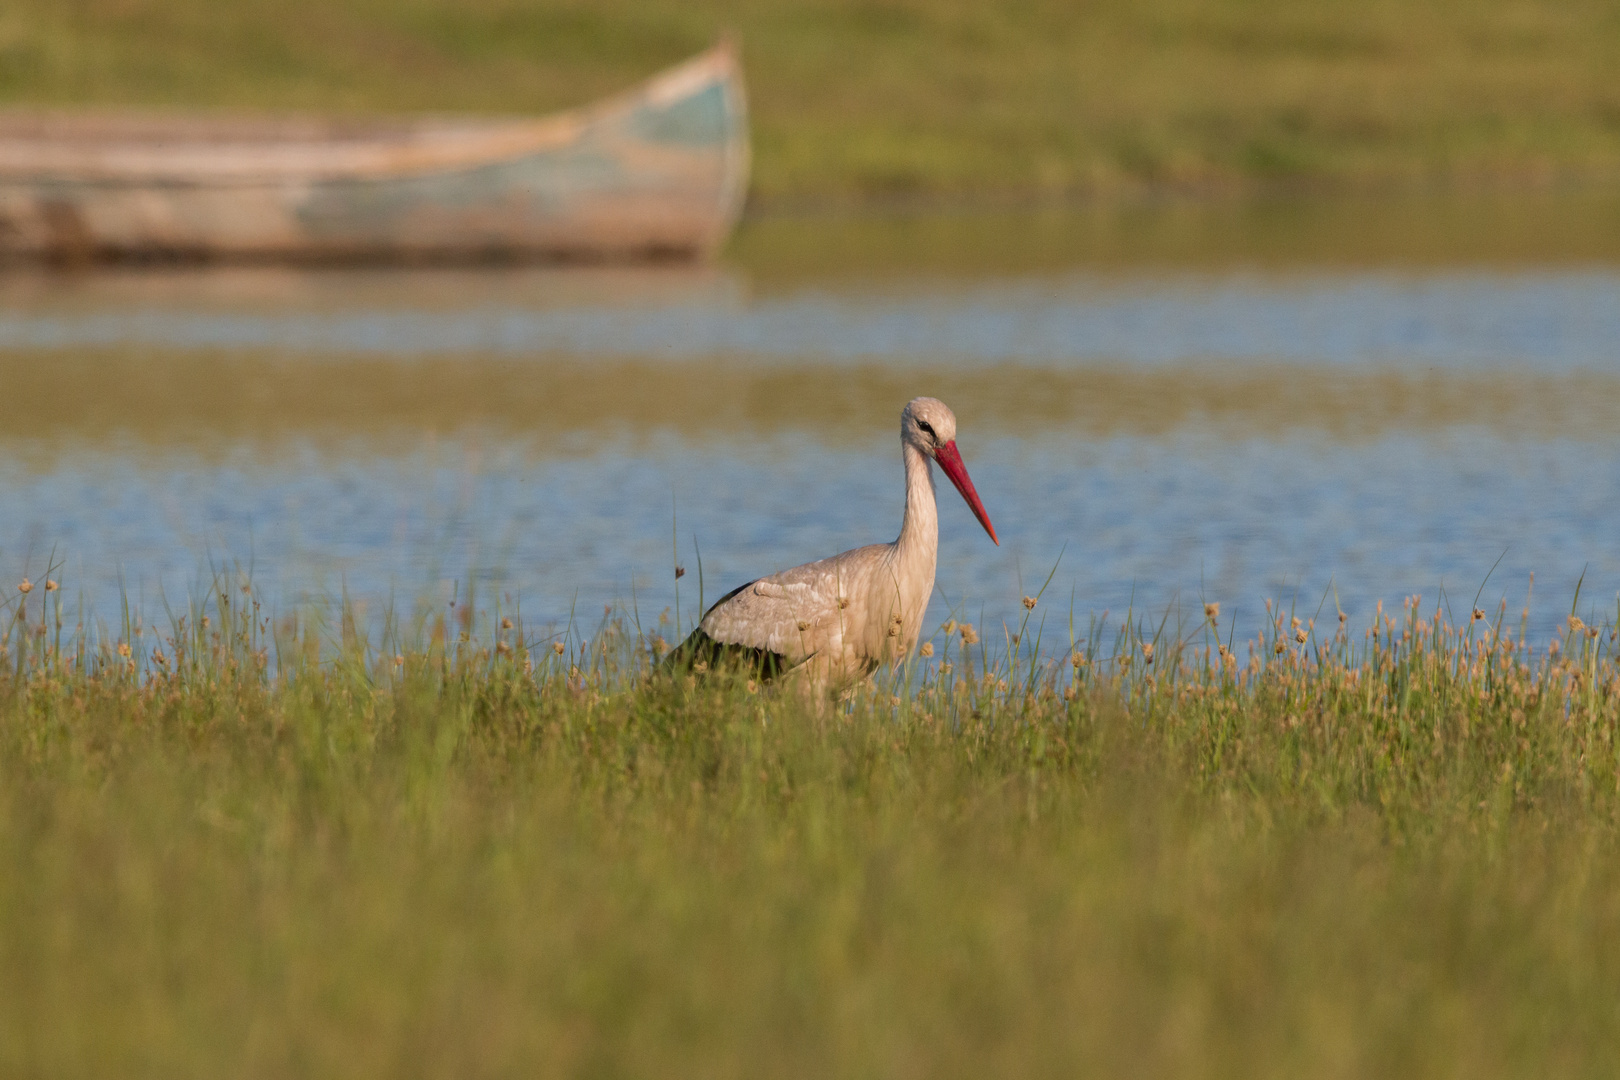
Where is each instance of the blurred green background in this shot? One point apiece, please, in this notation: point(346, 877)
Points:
point(863, 100)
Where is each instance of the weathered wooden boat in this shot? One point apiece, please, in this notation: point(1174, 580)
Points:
point(658, 171)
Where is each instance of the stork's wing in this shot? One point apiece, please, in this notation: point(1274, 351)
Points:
point(796, 614)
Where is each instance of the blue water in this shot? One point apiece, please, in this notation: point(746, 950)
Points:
point(1546, 321)
point(1153, 524)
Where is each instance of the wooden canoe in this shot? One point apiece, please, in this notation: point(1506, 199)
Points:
point(658, 171)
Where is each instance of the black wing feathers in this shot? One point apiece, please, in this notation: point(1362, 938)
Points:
point(700, 648)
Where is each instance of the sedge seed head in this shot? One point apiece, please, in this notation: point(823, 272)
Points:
point(1029, 603)
point(558, 647)
point(25, 586)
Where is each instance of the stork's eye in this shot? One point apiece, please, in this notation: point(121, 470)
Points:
point(928, 429)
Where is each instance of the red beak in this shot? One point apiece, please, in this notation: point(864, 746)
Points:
point(950, 462)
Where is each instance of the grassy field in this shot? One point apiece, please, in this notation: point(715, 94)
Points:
point(863, 99)
point(257, 847)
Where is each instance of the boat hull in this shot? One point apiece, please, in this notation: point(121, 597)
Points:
point(659, 171)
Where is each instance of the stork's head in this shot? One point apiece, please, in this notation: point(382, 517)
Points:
point(930, 426)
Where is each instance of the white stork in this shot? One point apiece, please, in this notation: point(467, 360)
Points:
point(837, 619)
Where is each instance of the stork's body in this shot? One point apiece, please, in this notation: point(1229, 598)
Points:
point(836, 620)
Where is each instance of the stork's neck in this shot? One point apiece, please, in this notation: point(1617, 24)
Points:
point(919, 529)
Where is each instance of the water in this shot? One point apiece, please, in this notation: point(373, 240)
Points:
point(1544, 320)
point(1323, 435)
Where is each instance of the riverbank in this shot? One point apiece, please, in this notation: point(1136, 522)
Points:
point(262, 847)
point(855, 102)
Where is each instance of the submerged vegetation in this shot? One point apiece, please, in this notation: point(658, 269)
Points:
point(861, 99)
point(261, 846)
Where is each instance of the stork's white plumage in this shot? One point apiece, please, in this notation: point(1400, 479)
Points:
point(836, 620)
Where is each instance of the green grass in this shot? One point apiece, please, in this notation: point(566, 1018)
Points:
point(864, 99)
point(257, 847)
